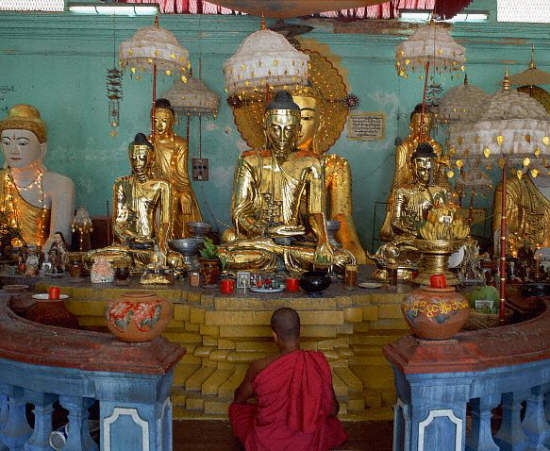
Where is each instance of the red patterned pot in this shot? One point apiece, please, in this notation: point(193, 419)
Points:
point(435, 313)
point(138, 316)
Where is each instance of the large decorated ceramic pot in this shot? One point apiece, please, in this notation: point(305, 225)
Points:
point(435, 313)
point(138, 316)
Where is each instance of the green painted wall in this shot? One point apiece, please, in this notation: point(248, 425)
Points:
point(58, 64)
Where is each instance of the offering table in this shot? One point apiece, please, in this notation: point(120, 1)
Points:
point(223, 333)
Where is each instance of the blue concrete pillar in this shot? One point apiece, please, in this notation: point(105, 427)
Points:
point(16, 430)
point(534, 423)
point(136, 426)
point(510, 436)
point(78, 438)
point(43, 408)
point(480, 437)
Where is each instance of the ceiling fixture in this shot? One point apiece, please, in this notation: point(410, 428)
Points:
point(32, 5)
point(113, 9)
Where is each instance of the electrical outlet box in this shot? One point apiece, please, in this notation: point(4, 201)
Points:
point(199, 169)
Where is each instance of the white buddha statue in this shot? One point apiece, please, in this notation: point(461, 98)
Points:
point(36, 201)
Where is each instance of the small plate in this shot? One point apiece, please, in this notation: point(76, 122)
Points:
point(16, 288)
point(46, 297)
point(266, 290)
point(370, 285)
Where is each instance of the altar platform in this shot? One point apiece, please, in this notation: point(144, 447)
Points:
point(224, 333)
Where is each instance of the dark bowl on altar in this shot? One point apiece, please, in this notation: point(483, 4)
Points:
point(185, 246)
point(535, 289)
point(199, 228)
point(314, 281)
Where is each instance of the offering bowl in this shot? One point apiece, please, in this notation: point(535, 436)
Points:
point(314, 281)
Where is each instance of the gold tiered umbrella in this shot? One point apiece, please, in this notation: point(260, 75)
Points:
point(531, 76)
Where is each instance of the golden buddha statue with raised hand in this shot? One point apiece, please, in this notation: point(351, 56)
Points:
point(278, 201)
point(141, 211)
point(337, 172)
point(171, 164)
point(35, 201)
point(420, 127)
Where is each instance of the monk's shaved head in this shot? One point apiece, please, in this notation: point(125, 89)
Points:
point(285, 322)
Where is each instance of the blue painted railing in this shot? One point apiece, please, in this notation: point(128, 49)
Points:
point(42, 365)
point(447, 391)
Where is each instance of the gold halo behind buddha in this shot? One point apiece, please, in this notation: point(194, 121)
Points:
point(326, 80)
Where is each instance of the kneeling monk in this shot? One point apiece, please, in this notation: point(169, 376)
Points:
point(296, 407)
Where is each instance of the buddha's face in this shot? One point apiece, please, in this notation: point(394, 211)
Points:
point(140, 158)
point(21, 148)
point(282, 129)
point(425, 127)
point(309, 121)
point(423, 167)
point(164, 121)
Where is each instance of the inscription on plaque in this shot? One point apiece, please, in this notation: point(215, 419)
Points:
point(365, 126)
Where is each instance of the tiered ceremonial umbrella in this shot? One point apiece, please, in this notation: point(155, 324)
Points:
point(513, 128)
point(154, 48)
point(462, 103)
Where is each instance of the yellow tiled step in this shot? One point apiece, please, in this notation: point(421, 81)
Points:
point(183, 337)
point(195, 381)
point(367, 360)
point(374, 377)
point(340, 388)
point(216, 407)
point(353, 383)
point(389, 324)
point(182, 372)
point(244, 357)
point(256, 346)
point(373, 398)
point(211, 385)
point(378, 337)
point(225, 391)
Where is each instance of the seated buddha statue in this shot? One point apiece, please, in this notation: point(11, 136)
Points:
point(278, 201)
point(336, 170)
point(527, 213)
point(410, 209)
point(36, 202)
point(141, 212)
point(171, 164)
point(420, 126)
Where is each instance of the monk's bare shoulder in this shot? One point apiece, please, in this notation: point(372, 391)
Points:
point(258, 365)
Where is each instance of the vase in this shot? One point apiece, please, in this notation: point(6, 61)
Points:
point(138, 316)
point(435, 313)
point(435, 260)
point(210, 270)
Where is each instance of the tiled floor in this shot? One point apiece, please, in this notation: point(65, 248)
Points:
point(217, 436)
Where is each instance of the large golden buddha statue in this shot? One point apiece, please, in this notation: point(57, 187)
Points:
point(33, 200)
point(420, 127)
point(410, 208)
point(278, 201)
point(171, 164)
point(527, 212)
point(336, 170)
point(141, 211)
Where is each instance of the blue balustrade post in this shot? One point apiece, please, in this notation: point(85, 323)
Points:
point(480, 437)
point(510, 436)
point(140, 422)
point(43, 408)
point(437, 407)
point(3, 416)
point(78, 438)
point(534, 423)
point(16, 430)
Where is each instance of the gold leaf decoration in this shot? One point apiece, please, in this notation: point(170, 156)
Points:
point(486, 152)
point(534, 173)
point(450, 174)
point(546, 140)
point(459, 164)
point(537, 151)
point(526, 162)
point(500, 140)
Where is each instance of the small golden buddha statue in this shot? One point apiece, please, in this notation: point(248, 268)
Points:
point(420, 126)
point(336, 170)
point(527, 213)
point(410, 208)
point(278, 201)
point(141, 212)
point(35, 201)
point(171, 164)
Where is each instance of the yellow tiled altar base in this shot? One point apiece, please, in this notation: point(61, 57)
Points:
point(222, 335)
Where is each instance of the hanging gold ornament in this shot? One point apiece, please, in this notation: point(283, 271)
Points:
point(546, 140)
point(534, 173)
point(537, 151)
point(500, 140)
point(459, 164)
point(486, 152)
point(526, 162)
point(519, 174)
point(450, 174)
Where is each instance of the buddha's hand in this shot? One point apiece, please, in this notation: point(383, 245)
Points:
point(324, 254)
point(186, 201)
point(286, 230)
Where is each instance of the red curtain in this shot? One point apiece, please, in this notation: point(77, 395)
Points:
point(387, 10)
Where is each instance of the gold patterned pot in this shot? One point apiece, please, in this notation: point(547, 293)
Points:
point(435, 313)
point(138, 316)
point(435, 260)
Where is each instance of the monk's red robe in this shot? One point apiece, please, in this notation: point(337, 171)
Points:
point(294, 395)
